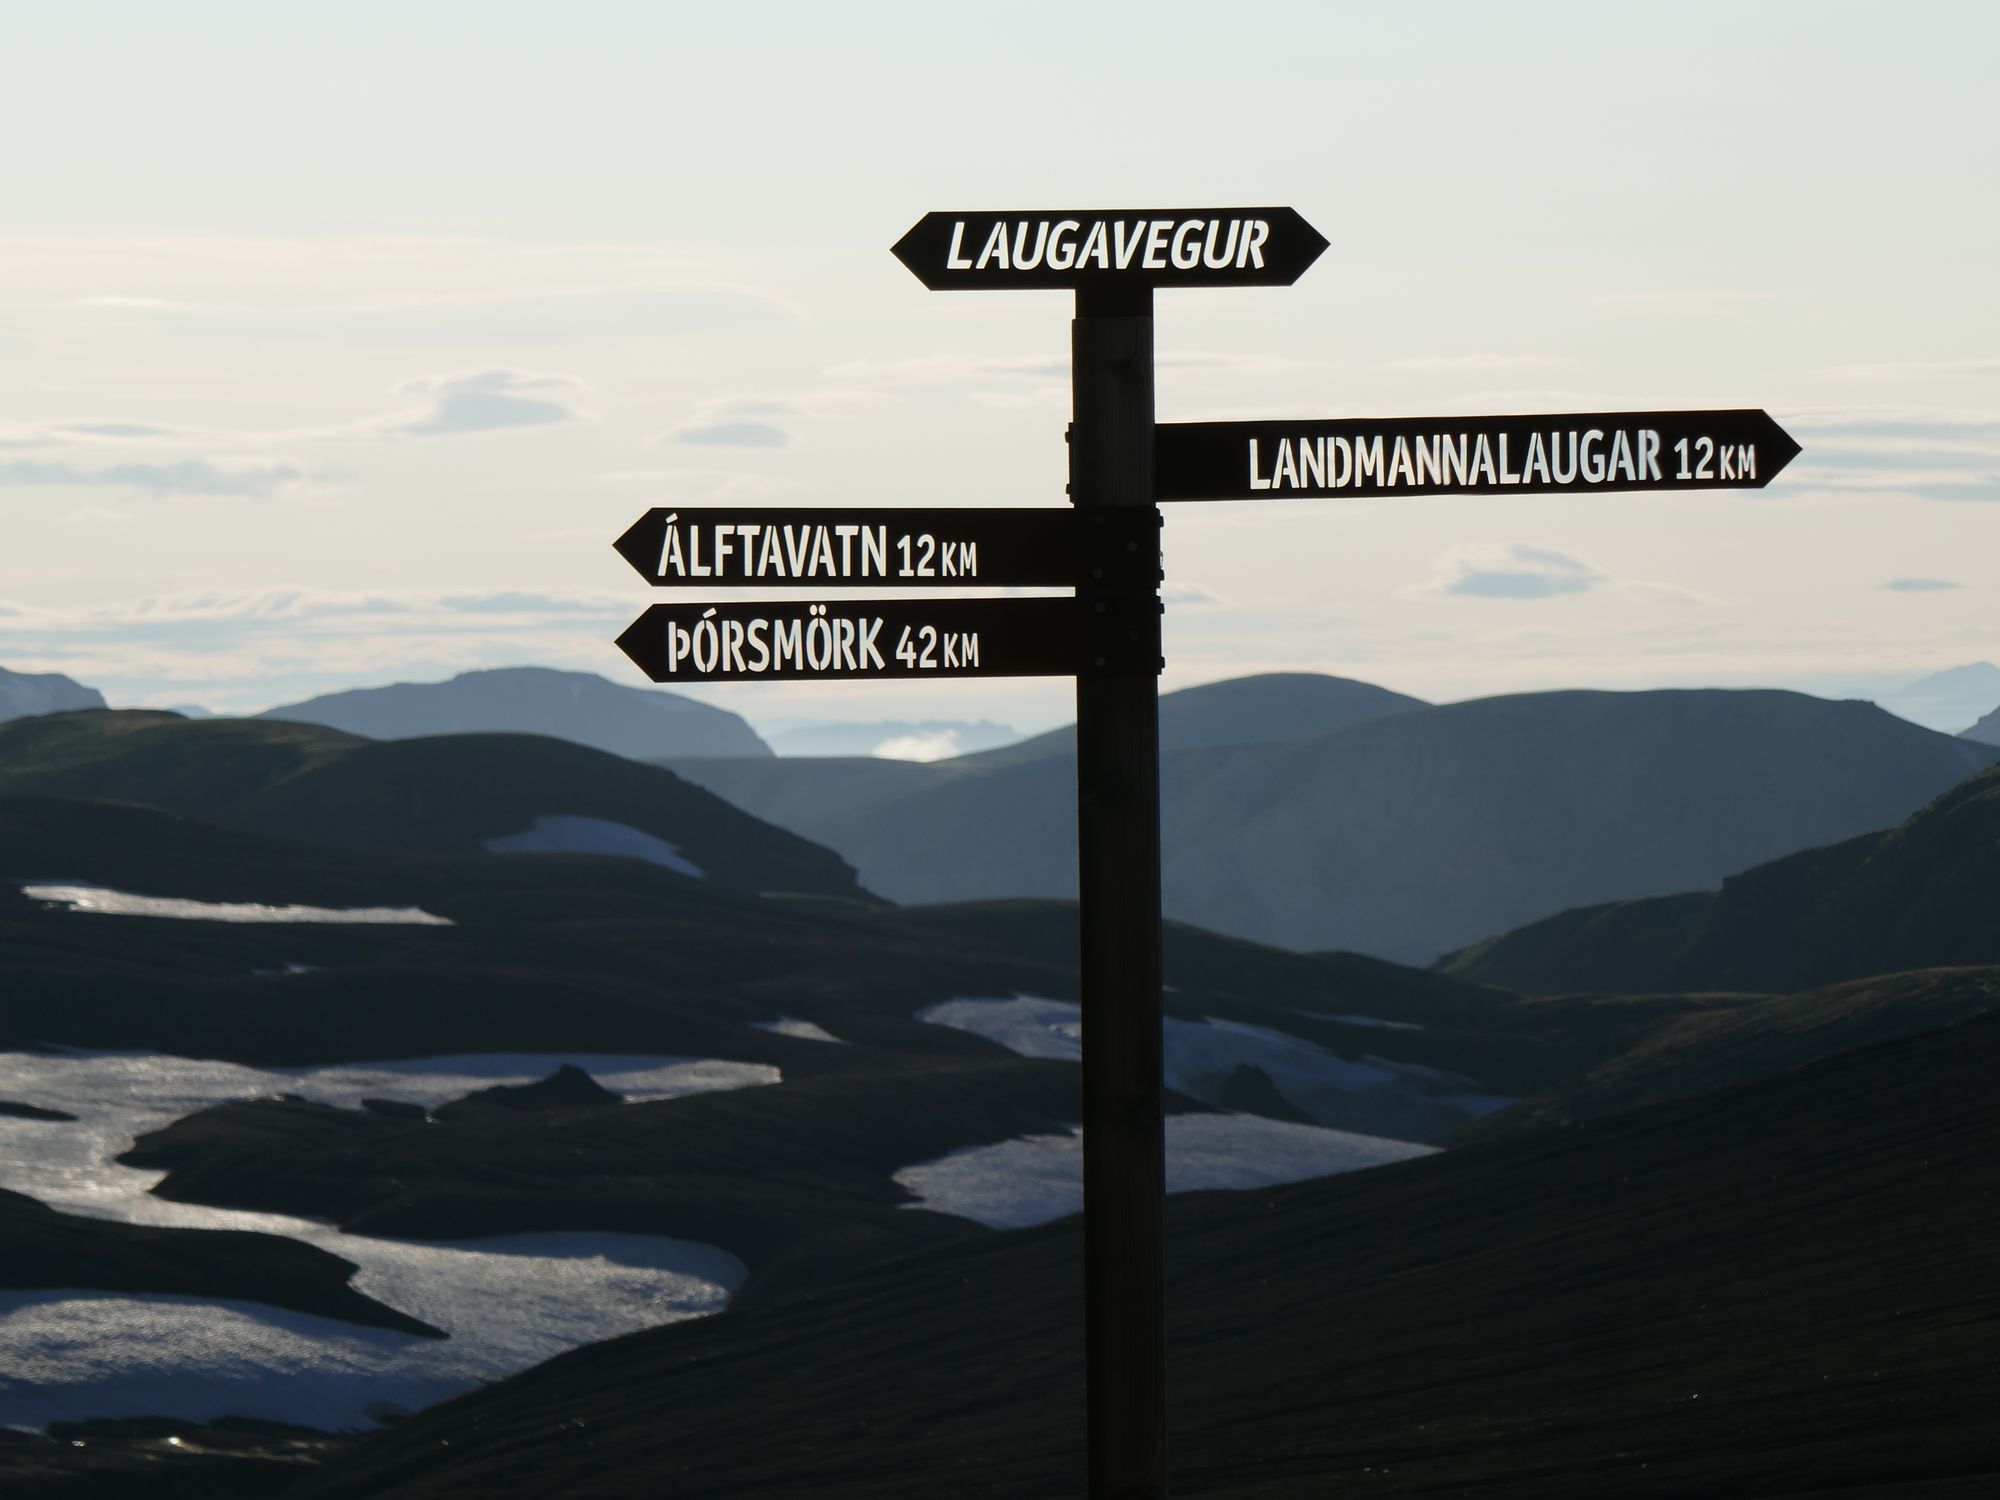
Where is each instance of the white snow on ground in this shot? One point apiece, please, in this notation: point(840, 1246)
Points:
point(1037, 1178)
point(810, 1031)
point(1200, 1056)
point(1320, 1015)
point(567, 834)
point(508, 1302)
point(97, 898)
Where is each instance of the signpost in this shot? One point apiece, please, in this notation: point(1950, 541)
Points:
point(1106, 634)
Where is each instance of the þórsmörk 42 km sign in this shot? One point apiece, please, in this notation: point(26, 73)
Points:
point(1658, 450)
point(829, 548)
point(889, 639)
point(1074, 247)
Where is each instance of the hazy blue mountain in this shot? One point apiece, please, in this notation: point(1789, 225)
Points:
point(1986, 731)
point(1947, 700)
point(1920, 895)
point(1243, 710)
point(900, 739)
point(1404, 835)
point(640, 723)
point(24, 694)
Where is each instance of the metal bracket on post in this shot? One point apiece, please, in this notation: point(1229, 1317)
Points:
point(1118, 591)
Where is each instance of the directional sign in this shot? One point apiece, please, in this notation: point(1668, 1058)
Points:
point(888, 639)
point(1651, 450)
point(798, 548)
point(1075, 247)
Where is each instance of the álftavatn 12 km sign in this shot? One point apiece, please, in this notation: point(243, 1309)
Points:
point(845, 547)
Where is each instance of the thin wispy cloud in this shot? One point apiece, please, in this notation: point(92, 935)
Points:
point(955, 369)
point(1515, 572)
point(1920, 585)
point(737, 432)
point(702, 484)
point(1919, 369)
point(246, 649)
point(485, 401)
point(256, 479)
point(1471, 364)
point(738, 422)
point(1674, 302)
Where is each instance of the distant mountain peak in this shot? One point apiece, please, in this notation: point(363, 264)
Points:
point(582, 707)
point(26, 694)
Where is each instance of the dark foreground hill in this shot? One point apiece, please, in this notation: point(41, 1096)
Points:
point(1924, 894)
point(577, 706)
point(1409, 832)
point(1685, 1046)
point(1535, 1319)
point(453, 793)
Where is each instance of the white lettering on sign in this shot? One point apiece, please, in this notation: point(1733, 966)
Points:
point(1112, 244)
point(1464, 459)
point(818, 641)
point(751, 551)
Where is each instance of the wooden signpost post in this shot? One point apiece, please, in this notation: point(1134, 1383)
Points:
point(1107, 636)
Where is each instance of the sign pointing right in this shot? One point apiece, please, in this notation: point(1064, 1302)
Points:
point(1590, 451)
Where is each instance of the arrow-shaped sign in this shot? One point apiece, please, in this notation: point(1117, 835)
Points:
point(768, 641)
point(1074, 247)
point(1597, 451)
point(938, 547)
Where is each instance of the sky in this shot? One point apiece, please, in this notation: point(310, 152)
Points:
point(337, 343)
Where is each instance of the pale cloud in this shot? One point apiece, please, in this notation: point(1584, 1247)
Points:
point(954, 369)
point(1674, 302)
point(1513, 572)
point(1920, 585)
point(238, 650)
point(739, 422)
point(1521, 572)
point(485, 401)
point(214, 478)
point(1472, 364)
point(737, 433)
point(703, 484)
point(1920, 369)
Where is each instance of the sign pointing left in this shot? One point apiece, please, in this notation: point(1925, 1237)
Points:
point(1078, 247)
point(801, 547)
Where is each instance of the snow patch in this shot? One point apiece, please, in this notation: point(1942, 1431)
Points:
point(568, 834)
point(1034, 1179)
point(809, 1031)
point(1320, 1015)
point(102, 899)
point(1371, 1094)
point(508, 1301)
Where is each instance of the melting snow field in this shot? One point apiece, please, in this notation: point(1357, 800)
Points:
point(102, 899)
point(507, 1302)
point(569, 834)
point(1037, 1178)
point(1201, 1055)
point(810, 1031)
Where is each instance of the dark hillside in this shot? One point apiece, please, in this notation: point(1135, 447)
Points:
point(1530, 1320)
point(450, 793)
point(1924, 894)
